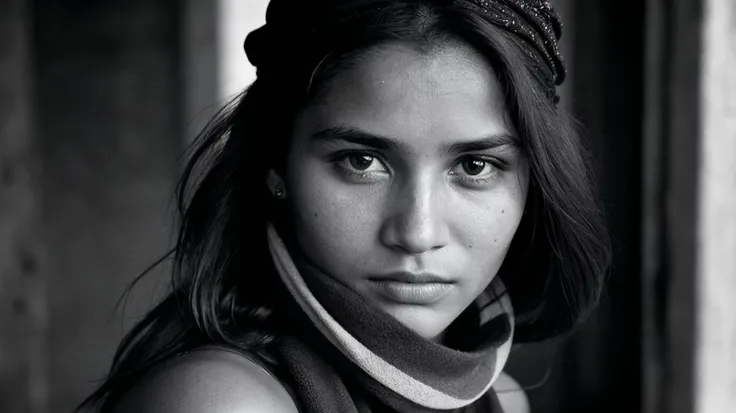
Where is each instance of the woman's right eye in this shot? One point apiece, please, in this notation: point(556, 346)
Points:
point(361, 163)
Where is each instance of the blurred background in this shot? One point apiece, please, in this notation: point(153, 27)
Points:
point(98, 100)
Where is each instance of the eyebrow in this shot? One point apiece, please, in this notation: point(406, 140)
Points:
point(356, 136)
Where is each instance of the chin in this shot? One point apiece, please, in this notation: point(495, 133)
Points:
point(423, 320)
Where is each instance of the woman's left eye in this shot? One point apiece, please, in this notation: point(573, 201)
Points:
point(363, 162)
point(479, 170)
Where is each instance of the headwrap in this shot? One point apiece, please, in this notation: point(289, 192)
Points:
point(292, 23)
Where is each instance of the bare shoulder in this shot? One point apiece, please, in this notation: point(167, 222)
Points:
point(512, 397)
point(208, 380)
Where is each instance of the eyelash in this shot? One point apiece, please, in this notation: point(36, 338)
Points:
point(497, 166)
point(340, 158)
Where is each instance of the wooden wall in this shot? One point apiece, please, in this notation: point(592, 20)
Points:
point(23, 276)
point(689, 273)
point(109, 133)
point(91, 127)
point(715, 343)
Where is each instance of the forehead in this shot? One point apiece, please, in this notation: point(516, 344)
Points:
point(404, 92)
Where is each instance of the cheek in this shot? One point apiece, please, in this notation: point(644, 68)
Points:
point(330, 221)
point(486, 229)
point(490, 220)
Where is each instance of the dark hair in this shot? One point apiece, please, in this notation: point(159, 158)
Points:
point(223, 285)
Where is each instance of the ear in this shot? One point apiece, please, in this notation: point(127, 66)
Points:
point(275, 184)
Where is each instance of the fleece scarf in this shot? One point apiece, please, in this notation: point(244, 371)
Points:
point(347, 355)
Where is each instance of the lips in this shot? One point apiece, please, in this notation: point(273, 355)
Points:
point(411, 288)
point(412, 278)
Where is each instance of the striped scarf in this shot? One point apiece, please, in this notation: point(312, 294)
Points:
point(348, 356)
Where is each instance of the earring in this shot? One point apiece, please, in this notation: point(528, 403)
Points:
point(275, 184)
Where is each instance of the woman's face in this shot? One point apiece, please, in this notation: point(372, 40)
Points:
point(406, 183)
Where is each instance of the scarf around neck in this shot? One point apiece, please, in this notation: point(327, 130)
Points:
point(348, 355)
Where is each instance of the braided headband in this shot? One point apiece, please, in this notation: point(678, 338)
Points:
point(290, 21)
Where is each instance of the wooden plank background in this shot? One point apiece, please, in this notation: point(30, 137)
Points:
point(109, 90)
point(715, 344)
point(23, 311)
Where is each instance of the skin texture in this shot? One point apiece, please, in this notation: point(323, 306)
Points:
point(208, 380)
point(360, 212)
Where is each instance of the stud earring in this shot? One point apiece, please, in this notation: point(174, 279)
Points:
point(278, 192)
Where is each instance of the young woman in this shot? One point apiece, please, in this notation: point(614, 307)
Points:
point(394, 201)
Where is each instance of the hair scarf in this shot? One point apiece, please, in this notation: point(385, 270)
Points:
point(347, 355)
point(294, 26)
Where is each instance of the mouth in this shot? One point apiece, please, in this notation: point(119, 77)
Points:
point(411, 288)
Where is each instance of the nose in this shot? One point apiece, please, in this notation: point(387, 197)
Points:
point(415, 223)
